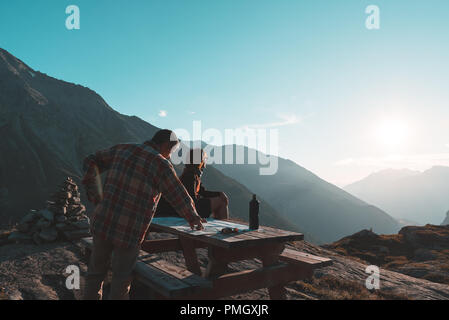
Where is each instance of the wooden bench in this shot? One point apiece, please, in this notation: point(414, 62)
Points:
point(160, 276)
point(292, 266)
point(172, 282)
point(304, 260)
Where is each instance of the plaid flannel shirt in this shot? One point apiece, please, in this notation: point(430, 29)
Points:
point(136, 175)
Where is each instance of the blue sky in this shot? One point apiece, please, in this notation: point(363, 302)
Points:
point(346, 100)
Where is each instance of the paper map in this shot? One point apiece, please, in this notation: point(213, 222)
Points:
point(212, 226)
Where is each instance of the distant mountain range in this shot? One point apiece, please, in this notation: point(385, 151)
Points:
point(446, 220)
point(48, 126)
point(405, 194)
point(309, 202)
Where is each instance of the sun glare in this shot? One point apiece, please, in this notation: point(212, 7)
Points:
point(392, 132)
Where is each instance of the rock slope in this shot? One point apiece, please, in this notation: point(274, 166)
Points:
point(421, 252)
point(38, 272)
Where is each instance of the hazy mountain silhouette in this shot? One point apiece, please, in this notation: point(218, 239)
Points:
point(446, 220)
point(309, 202)
point(239, 204)
point(48, 126)
point(421, 197)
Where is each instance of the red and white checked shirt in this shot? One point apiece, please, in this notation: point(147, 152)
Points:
point(136, 175)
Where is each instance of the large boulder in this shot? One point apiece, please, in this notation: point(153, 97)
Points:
point(24, 227)
point(365, 234)
point(49, 234)
point(423, 255)
point(43, 223)
point(18, 236)
point(429, 236)
point(47, 215)
point(81, 224)
point(29, 218)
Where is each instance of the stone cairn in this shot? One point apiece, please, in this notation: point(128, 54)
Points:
point(64, 218)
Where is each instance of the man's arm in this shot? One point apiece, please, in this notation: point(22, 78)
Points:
point(93, 166)
point(176, 194)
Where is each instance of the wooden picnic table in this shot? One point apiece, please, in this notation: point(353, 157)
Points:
point(155, 277)
point(266, 244)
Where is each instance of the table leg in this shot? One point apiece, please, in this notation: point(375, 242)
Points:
point(276, 292)
point(190, 255)
point(216, 267)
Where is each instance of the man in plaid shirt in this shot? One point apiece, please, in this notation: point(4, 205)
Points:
point(136, 175)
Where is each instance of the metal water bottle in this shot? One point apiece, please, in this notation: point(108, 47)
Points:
point(254, 213)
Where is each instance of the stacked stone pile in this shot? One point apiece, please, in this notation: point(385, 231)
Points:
point(64, 218)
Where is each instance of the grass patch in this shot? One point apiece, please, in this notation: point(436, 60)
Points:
point(332, 288)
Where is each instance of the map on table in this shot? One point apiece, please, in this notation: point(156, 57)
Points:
point(212, 226)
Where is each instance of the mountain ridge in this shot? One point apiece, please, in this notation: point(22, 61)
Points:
point(446, 220)
point(422, 196)
point(307, 200)
point(49, 137)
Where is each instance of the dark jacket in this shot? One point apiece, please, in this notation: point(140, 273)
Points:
point(191, 179)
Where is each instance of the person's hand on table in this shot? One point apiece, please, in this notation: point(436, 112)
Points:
point(197, 223)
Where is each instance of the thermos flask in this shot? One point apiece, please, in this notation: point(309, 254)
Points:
point(254, 213)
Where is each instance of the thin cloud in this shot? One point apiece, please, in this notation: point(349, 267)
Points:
point(162, 113)
point(285, 121)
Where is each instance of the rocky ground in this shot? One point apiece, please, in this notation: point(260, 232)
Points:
point(420, 252)
point(29, 271)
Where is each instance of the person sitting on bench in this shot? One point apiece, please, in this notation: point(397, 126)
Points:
point(207, 203)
